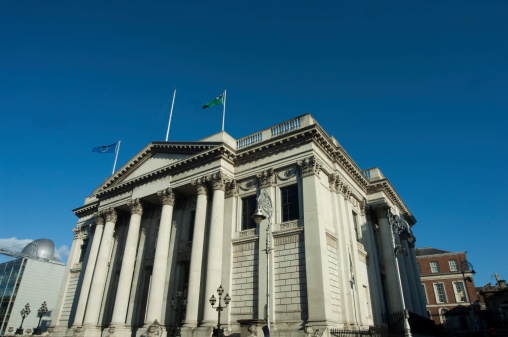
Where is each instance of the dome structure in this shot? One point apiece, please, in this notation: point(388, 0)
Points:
point(41, 248)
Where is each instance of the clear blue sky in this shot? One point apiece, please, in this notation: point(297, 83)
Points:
point(418, 89)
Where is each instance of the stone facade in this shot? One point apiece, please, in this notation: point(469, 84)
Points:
point(176, 218)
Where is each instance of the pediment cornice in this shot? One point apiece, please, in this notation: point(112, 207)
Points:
point(385, 186)
point(116, 185)
point(85, 210)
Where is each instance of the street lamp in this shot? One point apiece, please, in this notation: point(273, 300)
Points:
point(464, 266)
point(265, 204)
point(178, 306)
point(219, 332)
point(398, 225)
point(24, 312)
point(41, 312)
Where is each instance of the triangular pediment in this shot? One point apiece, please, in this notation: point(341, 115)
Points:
point(153, 157)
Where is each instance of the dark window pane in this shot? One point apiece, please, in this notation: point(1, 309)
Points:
point(289, 202)
point(192, 217)
point(248, 208)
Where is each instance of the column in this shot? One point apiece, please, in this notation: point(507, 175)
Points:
point(127, 271)
point(191, 315)
point(392, 282)
point(89, 271)
point(316, 206)
point(95, 298)
point(214, 259)
point(155, 300)
point(415, 296)
point(418, 281)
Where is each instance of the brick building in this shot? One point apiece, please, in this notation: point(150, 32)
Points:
point(441, 275)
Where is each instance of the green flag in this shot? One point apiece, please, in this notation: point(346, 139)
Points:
point(219, 100)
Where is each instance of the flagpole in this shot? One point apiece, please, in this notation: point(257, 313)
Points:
point(170, 114)
point(224, 111)
point(116, 157)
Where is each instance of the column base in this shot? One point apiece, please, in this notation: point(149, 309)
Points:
point(88, 331)
point(120, 330)
point(196, 331)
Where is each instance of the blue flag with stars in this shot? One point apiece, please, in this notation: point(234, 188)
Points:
point(106, 148)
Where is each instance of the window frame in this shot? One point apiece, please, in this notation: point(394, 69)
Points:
point(293, 207)
point(432, 265)
point(456, 265)
point(456, 291)
point(436, 292)
point(245, 216)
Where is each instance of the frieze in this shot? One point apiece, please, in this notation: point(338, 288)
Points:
point(135, 206)
point(287, 174)
point(248, 185)
point(266, 178)
point(310, 166)
point(167, 196)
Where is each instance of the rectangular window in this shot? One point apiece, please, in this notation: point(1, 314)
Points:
point(355, 224)
point(453, 265)
point(289, 203)
point(440, 293)
point(83, 250)
point(460, 291)
point(434, 267)
point(248, 208)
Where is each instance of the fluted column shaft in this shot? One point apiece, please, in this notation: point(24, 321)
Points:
point(418, 281)
point(129, 258)
point(403, 277)
point(93, 307)
point(392, 282)
point(415, 296)
point(155, 298)
point(89, 271)
point(214, 258)
point(191, 315)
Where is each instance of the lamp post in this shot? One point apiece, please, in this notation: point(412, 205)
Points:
point(265, 204)
point(398, 225)
point(41, 312)
point(178, 306)
point(464, 266)
point(24, 312)
point(219, 332)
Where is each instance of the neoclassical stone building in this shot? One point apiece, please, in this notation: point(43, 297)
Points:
point(176, 217)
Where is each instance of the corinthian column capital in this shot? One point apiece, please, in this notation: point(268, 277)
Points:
point(135, 206)
point(266, 178)
point(381, 211)
point(167, 196)
point(99, 219)
point(218, 181)
point(310, 166)
point(201, 186)
point(110, 215)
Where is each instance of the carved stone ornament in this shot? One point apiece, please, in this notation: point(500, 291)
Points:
point(332, 182)
point(110, 215)
point(287, 174)
point(231, 189)
point(363, 206)
point(99, 219)
point(218, 181)
point(81, 232)
point(201, 185)
point(248, 185)
point(310, 166)
point(166, 196)
point(135, 206)
point(266, 178)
